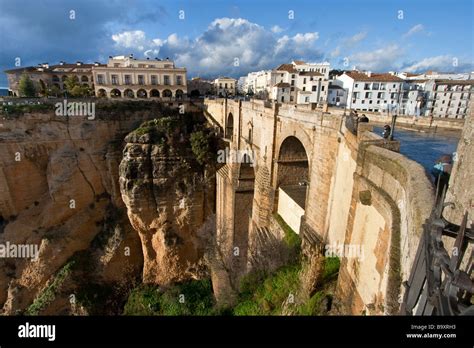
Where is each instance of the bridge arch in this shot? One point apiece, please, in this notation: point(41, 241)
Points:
point(229, 126)
point(292, 182)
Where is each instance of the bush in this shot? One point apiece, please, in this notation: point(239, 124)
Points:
point(189, 298)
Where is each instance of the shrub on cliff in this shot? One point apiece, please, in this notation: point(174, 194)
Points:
point(202, 145)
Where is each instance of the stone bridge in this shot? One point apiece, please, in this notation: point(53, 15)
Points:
point(331, 186)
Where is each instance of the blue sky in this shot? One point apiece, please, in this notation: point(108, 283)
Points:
point(236, 37)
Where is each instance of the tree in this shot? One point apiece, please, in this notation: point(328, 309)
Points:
point(26, 88)
point(54, 90)
point(70, 83)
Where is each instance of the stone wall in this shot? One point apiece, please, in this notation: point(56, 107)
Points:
point(361, 192)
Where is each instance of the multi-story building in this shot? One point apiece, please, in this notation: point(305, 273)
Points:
point(225, 86)
point(139, 78)
point(372, 92)
point(337, 95)
point(47, 76)
point(308, 82)
point(448, 98)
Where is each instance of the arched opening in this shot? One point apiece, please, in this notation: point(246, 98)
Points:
point(195, 93)
point(244, 195)
point(179, 94)
point(154, 93)
point(141, 93)
point(128, 93)
point(101, 93)
point(292, 182)
point(115, 93)
point(167, 93)
point(84, 78)
point(55, 78)
point(63, 78)
point(229, 127)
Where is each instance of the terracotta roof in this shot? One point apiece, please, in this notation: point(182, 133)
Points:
point(282, 84)
point(287, 67)
point(411, 74)
point(51, 68)
point(310, 73)
point(299, 62)
point(454, 82)
point(382, 77)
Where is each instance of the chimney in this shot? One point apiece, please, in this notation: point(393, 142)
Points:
point(78, 63)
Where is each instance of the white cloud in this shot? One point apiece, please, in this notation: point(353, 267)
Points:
point(130, 39)
point(276, 29)
point(381, 59)
point(215, 51)
point(413, 30)
point(348, 43)
point(442, 63)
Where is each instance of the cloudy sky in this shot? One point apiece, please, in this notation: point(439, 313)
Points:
point(220, 37)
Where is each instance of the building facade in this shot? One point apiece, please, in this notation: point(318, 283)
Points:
point(127, 77)
point(199, 87)
point(45, 75)
point(225, 86)
point(372, 92)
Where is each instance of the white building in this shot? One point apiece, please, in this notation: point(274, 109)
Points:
point(372, 92)
point(225, 86)
point(448, 98)
point(337, 95)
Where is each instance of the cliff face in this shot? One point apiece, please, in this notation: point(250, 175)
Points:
point(168, 199)
point(58, 180)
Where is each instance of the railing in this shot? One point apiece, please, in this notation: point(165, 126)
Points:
point(437, 284)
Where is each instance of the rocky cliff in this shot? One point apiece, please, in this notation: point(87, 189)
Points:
point(168, 196)
point(59, 191)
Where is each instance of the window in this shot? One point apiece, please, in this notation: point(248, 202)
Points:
point(292, 82)
point(114, 79)
point(370, 101)
point(322, 88)
point(154, 80)
point(225, 86)
point(394, 86)
point(356, 85)
point(166, 80)
point(100, 79)
point(382, 86)
point(363, 101)
point(179, 80)
point(116, 65)
point(141, 80)
point(292, 89)
point(304, 80)
point(375, 86)
point(293, 76)
point(128, 80)
point(291, 98)
point(141, 65)
point(355, 95)
point(367, 86)
point(282, 99)
point(306, 99)
point(313, 88)
point(381, 95)
point(304, 88)
point(368, 94)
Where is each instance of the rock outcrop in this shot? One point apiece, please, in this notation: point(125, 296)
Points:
point(58, 180)
point(168, 198)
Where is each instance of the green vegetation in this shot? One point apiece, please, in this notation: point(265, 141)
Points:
point(188, 298)
point(260, 294)
point(21, 109)
point(292, 239)
point(201, 144)
point(74, 88)
point(26, 88)
point(49, 293)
